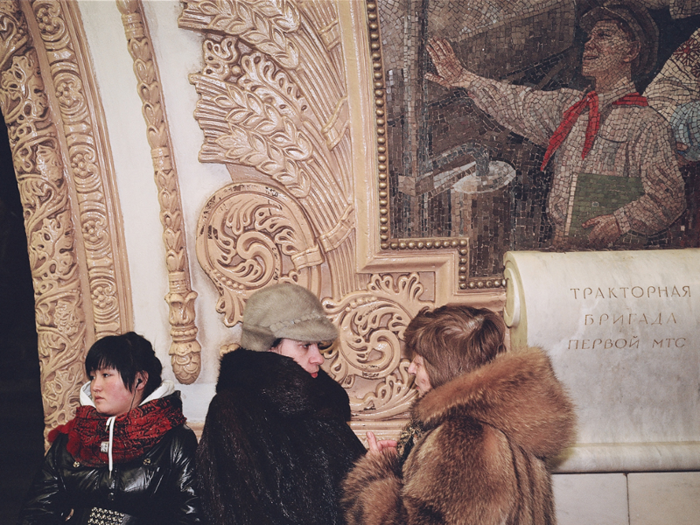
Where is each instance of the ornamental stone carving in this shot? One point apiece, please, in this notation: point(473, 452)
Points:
point(251, 235)
point(367, 359)
point(273, 97)
point(44, 192)
point(74, 95)
point(71, 217)
point(185, 350)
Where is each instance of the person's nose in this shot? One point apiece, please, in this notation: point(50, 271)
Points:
point(315, 356)
point(96, 384)
point(412, 368)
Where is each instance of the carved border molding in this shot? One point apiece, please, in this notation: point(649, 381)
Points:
point(388, 242)
point(185, 350)
point(71, 213)
point(44, 191)
point(377, 252)
point(66, 69)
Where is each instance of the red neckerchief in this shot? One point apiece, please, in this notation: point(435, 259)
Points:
point(571, 115)
point(135, 432)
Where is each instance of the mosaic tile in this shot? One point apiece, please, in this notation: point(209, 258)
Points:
point(533, 64)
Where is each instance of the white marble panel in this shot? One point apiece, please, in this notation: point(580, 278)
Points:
point(664, 498)
point(586, 499)
point(621, 328)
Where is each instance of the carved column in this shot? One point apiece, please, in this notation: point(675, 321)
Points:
point(185, 350)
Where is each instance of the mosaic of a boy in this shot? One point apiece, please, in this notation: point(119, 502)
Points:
point(610, 131)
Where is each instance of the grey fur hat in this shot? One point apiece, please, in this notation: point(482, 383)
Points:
point(284, 311)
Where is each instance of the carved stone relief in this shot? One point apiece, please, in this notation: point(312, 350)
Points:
point(273, 96)
point(185, 350)
point(60, 318)
point(251, 235)
point(71, 247)
point(72, 93)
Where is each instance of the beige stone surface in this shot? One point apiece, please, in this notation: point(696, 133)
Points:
point(619, 327)
point(587, 499)
point(661, 498)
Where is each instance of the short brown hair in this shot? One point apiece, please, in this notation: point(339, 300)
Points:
point(454, 339)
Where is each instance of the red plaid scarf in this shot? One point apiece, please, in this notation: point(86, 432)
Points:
point(135, 432)
point(571, 115)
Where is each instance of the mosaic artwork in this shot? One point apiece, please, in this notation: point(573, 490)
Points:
point(542, 124)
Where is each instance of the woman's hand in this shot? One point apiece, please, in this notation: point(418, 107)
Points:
point(384, 446)
point(450, 71)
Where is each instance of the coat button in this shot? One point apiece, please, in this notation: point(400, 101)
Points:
point(147, 461)
point(76, 464)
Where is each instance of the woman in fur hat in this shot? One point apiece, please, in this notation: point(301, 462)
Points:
point(276, 443)
point(482, 430)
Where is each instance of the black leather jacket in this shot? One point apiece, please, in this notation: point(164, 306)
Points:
point(157, 488)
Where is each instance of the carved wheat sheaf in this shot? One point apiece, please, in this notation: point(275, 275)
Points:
point(273, 97)
point(44, 190)
point(269, 137)
point(185, 350)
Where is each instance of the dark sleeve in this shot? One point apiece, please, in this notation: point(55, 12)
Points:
point(186, 506)
point(47, 501)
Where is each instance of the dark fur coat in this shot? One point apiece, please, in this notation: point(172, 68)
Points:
point(481, 457)
point(275, 445)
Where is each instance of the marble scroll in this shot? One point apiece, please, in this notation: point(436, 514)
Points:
point(622, 331)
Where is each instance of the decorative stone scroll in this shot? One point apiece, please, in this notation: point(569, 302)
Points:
point(371, 325)
point(249, 236)
point(621, 328)
point(44, 192)
point(185, 350)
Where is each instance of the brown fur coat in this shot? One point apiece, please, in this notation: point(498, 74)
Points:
point(482, 456)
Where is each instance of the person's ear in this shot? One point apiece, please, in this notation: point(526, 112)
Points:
point(141, 380)
point(635, 49)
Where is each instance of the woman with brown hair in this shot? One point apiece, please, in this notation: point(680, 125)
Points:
point(482, 430)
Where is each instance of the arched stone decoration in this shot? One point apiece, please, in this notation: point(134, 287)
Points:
point(71, 216)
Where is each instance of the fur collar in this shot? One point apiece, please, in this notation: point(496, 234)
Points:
point(280, 385)
point(517, 393)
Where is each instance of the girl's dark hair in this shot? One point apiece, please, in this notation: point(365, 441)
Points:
point(129, 354)
point(454, 339)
